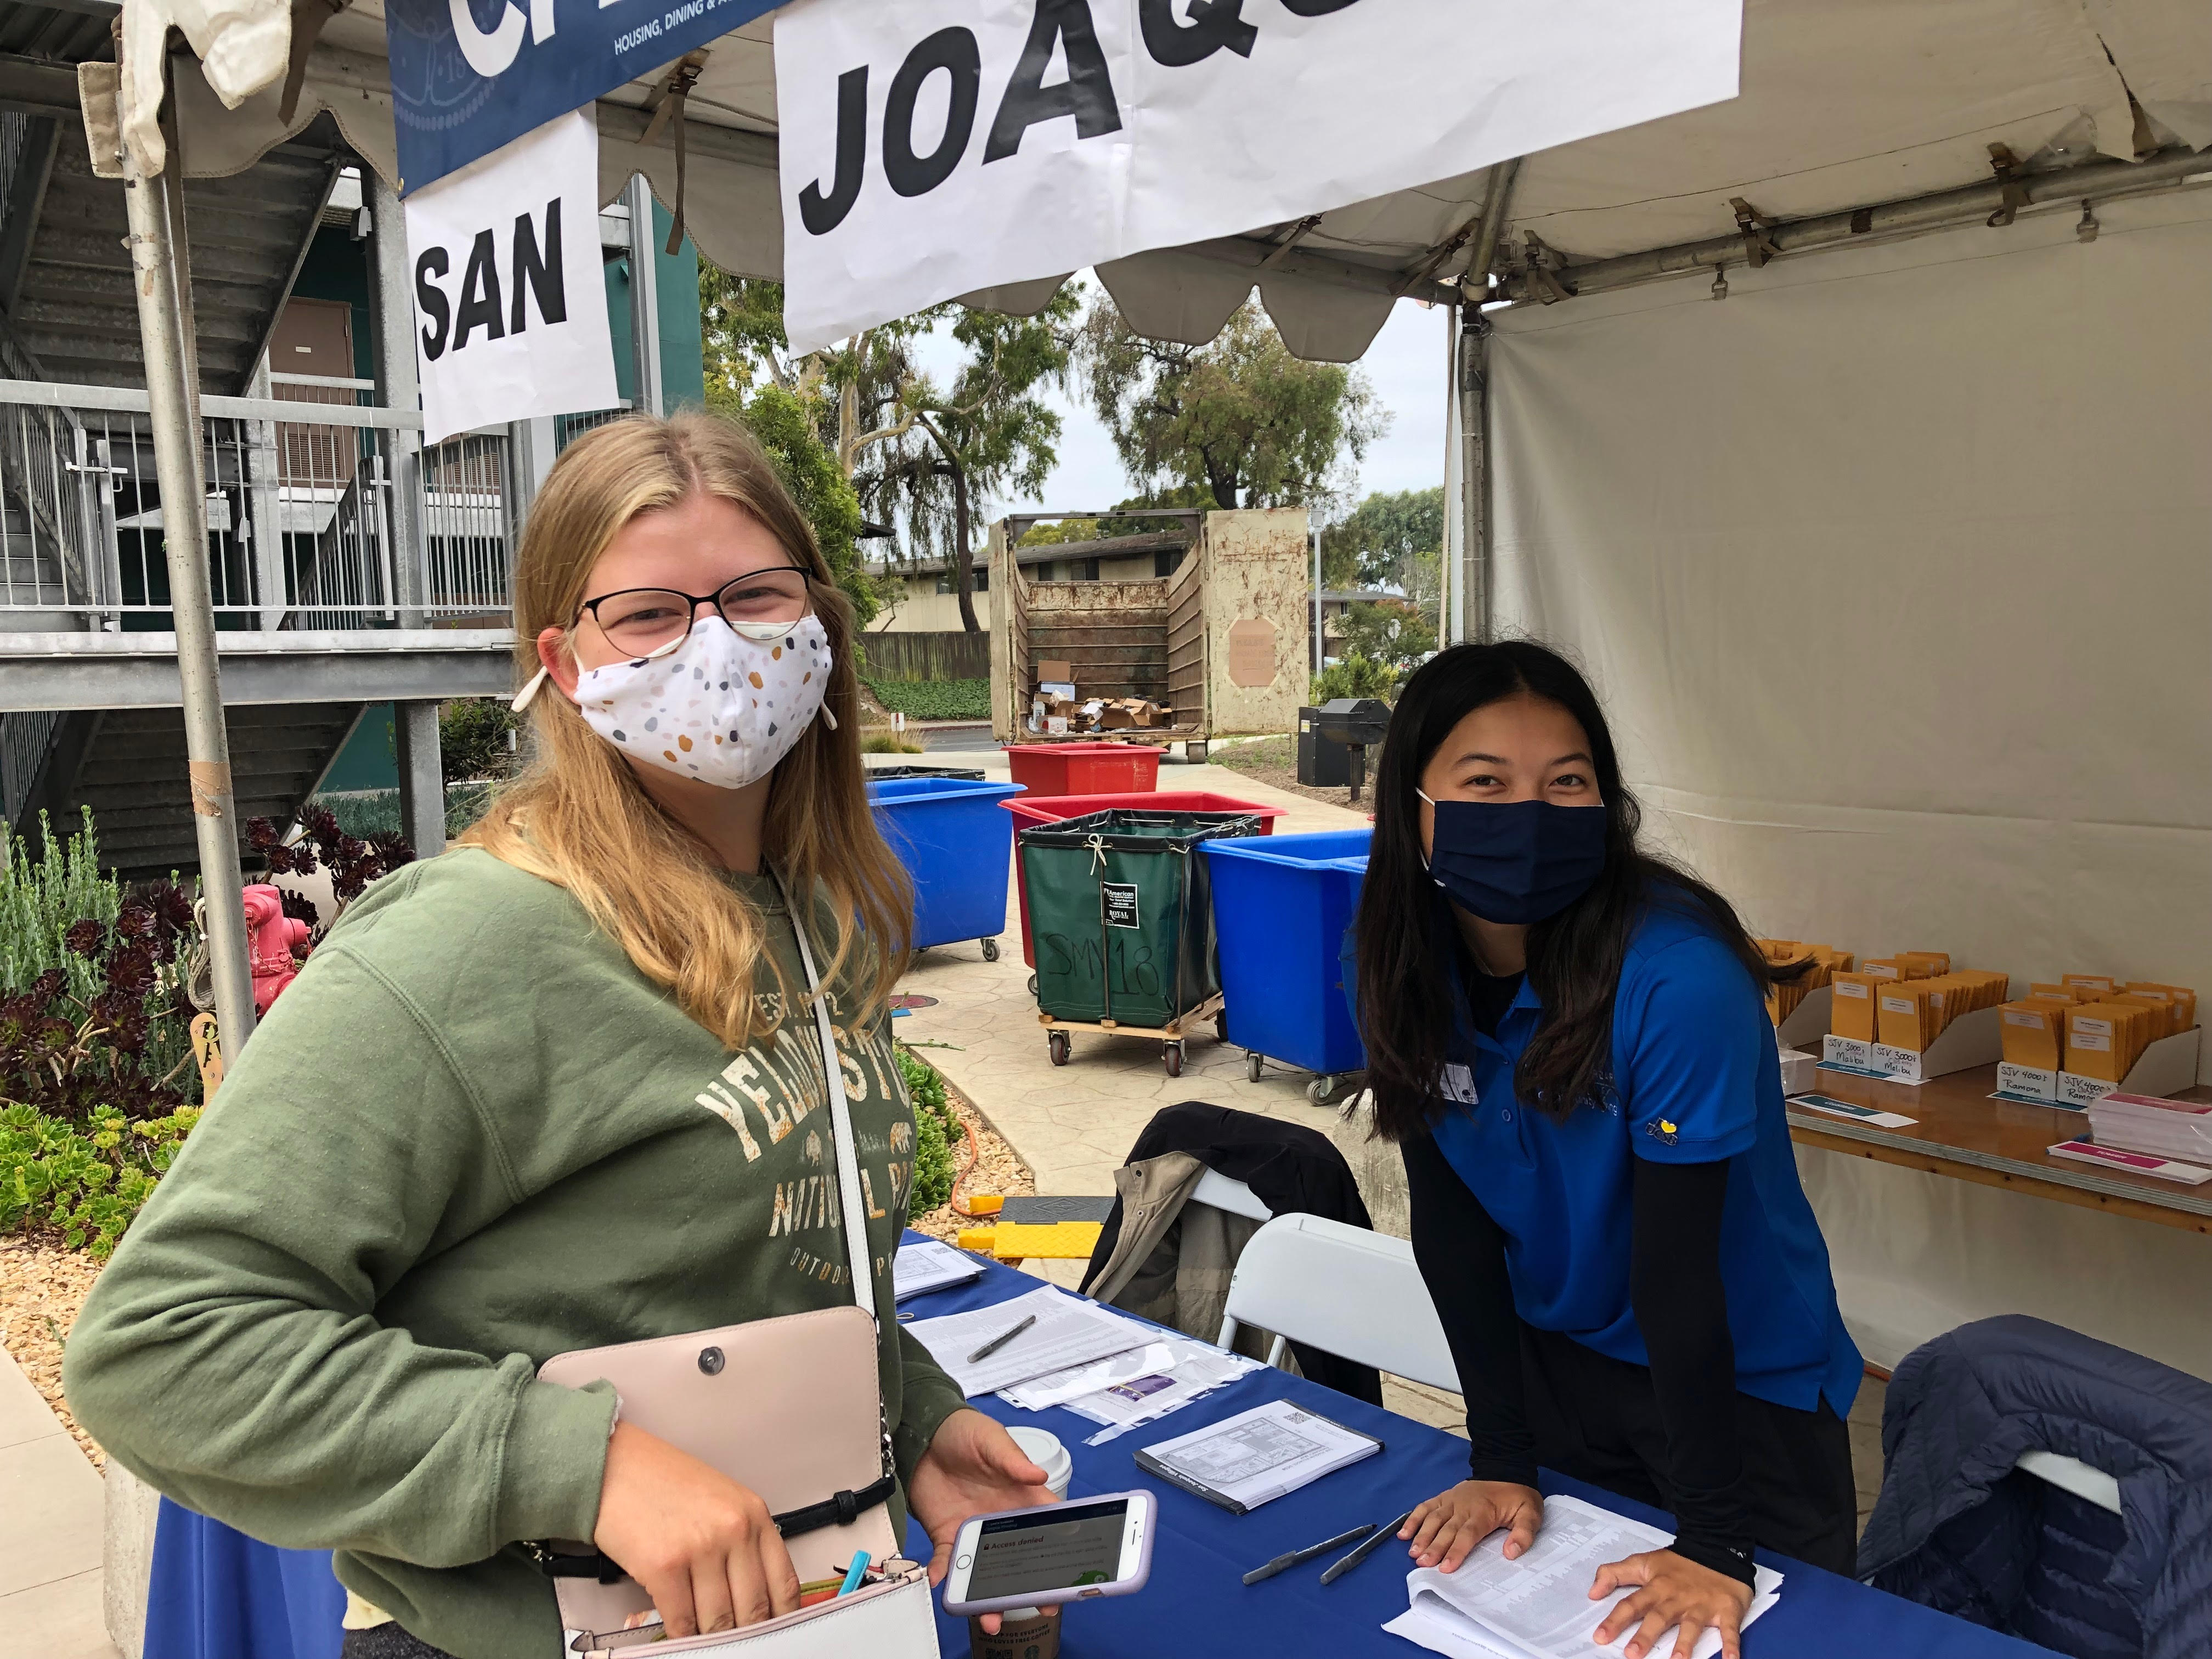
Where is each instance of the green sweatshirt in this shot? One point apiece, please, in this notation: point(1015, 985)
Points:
point(469, 1137)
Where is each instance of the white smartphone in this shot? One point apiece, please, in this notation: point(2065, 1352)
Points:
point(1051, 1554)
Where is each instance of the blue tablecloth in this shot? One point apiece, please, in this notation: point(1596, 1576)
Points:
point(217, 1595)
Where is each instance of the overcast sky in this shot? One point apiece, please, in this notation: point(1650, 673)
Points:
point(1405, 365)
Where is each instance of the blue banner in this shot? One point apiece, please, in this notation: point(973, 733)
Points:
point(469, 76)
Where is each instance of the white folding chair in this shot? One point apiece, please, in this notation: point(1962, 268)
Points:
point(1347, 1291)
point(1222, 1194)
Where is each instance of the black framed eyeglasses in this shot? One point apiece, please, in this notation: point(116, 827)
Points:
point(638, 620)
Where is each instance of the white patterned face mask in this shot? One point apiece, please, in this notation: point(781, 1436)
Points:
point(722, 704)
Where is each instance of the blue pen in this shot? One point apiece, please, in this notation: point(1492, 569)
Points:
point(852, 1573)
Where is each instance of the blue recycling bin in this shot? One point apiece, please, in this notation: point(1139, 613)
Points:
point(958, 846)
point(1281, 907)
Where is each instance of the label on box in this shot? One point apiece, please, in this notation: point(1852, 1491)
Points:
point(1901, 1064)
point(2166, 1169)
point(2026, 1083)
point(2075, 1091)
point(1121, 903)
point(1848, 1053)
point(1834, 1108)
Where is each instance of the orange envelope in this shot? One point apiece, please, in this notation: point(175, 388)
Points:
point(1851, 1010)
point(2033, 1034)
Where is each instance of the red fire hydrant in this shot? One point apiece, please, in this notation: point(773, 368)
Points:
point(271, 938)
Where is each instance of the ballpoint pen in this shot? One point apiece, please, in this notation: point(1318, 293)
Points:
point(1389, 1529)
point(1001, 1340)
point(1283, 1563)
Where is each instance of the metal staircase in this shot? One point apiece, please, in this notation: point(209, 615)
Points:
point(128, 766)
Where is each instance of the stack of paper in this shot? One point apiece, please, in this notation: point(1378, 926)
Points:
point(1134, 1388)
point(1255, 1456)
point(918, 1269)
point(2165, 1128)
point(1066, 1331)
point(1539, 1606)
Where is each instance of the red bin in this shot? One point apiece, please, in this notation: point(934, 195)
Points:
point(1084, 768)
point(1028, 811)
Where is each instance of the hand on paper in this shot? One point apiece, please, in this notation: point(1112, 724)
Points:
point(1677, 1595)
point(1450, 1524)
point(972, 1468)
point(704, 1547)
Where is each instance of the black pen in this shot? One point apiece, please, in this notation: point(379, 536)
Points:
point(1001, 1340)
point(1283, 1563)
point(1336, 1569)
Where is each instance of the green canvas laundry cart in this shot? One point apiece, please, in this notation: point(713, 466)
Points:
point(1123, 914)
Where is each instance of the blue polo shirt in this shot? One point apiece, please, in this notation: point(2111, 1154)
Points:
point(1696, 1079)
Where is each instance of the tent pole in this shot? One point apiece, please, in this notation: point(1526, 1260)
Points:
point(1471, 389)
point(644, 295)
point(1448, 616)
point(161, 262)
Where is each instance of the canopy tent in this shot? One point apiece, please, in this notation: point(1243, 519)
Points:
point(1842, 108)
point(1887, 564)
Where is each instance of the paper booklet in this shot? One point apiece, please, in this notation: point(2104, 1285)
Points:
point(932, 1264)
point(1069, 1331)
point(1244, 1462)
point(1539, 1606)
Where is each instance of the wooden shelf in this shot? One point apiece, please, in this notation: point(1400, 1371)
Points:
point(1965, 1134)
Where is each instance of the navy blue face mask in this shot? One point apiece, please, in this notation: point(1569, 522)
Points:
point(1516, 861)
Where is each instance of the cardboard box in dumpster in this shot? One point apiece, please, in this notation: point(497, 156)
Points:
point(1063, 689)
point(1055, 670)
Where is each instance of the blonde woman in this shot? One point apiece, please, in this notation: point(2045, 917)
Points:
point(554, 1090)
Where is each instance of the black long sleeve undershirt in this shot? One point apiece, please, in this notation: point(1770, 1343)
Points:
point(1681, 1308)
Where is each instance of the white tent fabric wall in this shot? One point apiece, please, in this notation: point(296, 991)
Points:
point(1892, 570)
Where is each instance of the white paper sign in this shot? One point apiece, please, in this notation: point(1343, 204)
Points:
point(928, 152)
point(510, 306)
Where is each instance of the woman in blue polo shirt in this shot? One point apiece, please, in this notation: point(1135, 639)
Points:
point(1567, 1038)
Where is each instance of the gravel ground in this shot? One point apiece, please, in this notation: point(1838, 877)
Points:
point(41, 1288)
point(997, 1170)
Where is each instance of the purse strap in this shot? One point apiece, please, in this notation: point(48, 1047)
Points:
point(855, 1209)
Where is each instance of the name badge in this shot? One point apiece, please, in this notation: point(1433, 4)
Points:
point(1458, 1085)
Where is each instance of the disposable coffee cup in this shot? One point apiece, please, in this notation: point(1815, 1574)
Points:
point(1024, 1633)
point(1043, 1449)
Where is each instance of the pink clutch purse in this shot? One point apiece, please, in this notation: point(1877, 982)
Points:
point(791, 1408)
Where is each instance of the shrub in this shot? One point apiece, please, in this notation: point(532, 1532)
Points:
point(91, 1010)
point(884, 742)
point(473, 738)
point(935, 1129)
point(85, 1183)
point(934, 700)
point(1354, 676)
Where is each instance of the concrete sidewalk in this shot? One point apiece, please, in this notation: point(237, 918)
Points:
point(50, 1526)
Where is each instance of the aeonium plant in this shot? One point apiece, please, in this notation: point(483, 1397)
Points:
point(352, 861)
point(82, 1035)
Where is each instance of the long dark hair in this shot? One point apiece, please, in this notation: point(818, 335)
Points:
point(1406, 929)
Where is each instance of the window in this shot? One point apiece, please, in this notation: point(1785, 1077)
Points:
point(947, 581)
point(1043, 572)
point(1085, 570)
point(1167, 563)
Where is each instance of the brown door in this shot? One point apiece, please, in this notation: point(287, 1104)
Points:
point(315, 337)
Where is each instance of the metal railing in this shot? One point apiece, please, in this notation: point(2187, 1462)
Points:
point(302, 514)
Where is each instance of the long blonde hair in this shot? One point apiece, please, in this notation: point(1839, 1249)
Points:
point(578, 817)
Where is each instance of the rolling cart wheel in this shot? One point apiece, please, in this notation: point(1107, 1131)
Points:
point(1056, 1044)
point(1032, 984)
point(1252, 1064)
point(990, 949)
point(1171, 1057)
point(1320, 1089)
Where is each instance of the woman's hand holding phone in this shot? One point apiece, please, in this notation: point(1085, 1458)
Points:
point(972, 1468)
point(1448, 1525)
point(704, 1548)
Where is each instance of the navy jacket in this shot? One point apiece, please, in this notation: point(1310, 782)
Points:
point(1958, 1528)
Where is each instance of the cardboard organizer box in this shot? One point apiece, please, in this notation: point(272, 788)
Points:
point(1056, 708)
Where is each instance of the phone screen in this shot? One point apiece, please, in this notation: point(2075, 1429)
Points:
point(1064, 1547)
